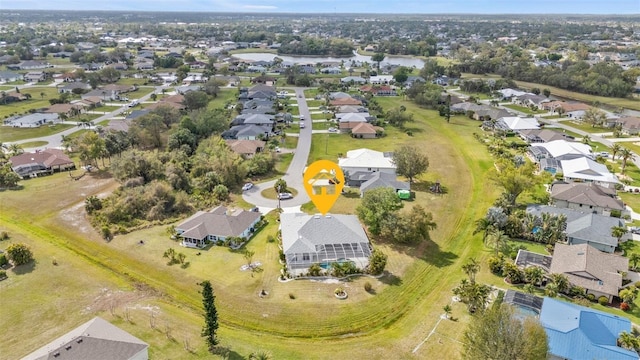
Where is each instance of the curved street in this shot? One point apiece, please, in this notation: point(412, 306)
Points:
point(293, 176)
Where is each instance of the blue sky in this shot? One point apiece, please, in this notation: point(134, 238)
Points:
point(342, 6)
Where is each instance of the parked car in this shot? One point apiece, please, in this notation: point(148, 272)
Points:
point(285, 196)
point(301, 125)
point(247, 186)
point(603, 154)
point(332, 129)
point(277, 149)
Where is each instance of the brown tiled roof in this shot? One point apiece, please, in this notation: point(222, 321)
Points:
point(61, 108)
point(363, 128)
point(178, 99)
point(47, 157)
point(245, 147)
point(629, 122)
point(587, 194)
point(345, 101)
point(589, 267)
point(116, 87)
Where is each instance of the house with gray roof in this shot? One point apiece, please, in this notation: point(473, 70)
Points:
point(248, 132)
point(216, 226)
point(585, 227)
point(585, 266)
point(380, 179)
point(96, 339)
point(323, 240)
point(544, 136)
point(586, 197)
point(9, 76)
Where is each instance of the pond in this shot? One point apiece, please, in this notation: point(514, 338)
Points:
point(393, 60)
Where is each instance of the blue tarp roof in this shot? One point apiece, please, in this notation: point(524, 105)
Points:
point(577, 332)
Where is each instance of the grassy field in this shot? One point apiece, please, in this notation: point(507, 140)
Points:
point(36, 102)
point(523, 109)
point(393, 320)
point(8, 133)
point(628, 103)
point(585, 127)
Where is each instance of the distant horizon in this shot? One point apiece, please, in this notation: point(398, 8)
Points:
point(391, 7)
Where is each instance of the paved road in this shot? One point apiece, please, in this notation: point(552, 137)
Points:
point(55, 140)
point(293, 176)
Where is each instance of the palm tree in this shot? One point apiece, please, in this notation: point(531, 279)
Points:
point(534, 275)
point(280, 186)
point(586, 139)
point(529, 289)
point(447, 310)
point(471, 269)
point(260, 355)
point(42, 95)
point(485, 226)
point(618, 232)
point(633, 259)
point(628, 341)
point(15, 149)
point(551, 290)
point(498, 240)
point(561, 282)
point(615, 150)
point(627, 295)
point(625, 155)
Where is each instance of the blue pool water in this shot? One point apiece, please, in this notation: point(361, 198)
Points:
point(524, 311)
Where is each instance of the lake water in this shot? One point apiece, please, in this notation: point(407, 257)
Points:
point(393, 60)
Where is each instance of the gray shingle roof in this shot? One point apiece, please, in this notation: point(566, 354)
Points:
point(589, 267)
point(589, 227)
point(217, 223)
point(96, 339)
point(301, 233)
point(380, 179)
point(587, 194)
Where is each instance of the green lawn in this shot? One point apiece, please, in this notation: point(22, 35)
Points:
point(32, 144)
point(8, 133)
point(631, 199)
point(93, 275)
point(36, 102)
point(585, 127)
point(523, 109)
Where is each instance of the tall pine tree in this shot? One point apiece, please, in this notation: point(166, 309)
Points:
point(210, 315)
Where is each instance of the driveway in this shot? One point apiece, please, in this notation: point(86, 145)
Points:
point(293, 176)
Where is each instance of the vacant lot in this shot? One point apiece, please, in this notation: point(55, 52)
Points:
point(8, 133)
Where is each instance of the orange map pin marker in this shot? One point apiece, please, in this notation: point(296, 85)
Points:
point(323, 181)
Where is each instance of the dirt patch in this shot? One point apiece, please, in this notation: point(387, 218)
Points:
point(112, 300)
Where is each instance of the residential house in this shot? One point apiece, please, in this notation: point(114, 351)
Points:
point(354, 117)
point(365, 161)
point(384, 180)
point(9, 76)
point(597, 272)
point(322, 240)
point(630, 125)
point(66, 109)
point(509, 93)
point(576, 332)
point(382, 90)
point(585, 227)
point(487, 113)
point(255, 119)
point(266, 80)
point(118, 125)
point(186, 88)
point(96, 339)
point(69, 87)
point(586, 197)
point(174, 101)
point(248, 132)
point(517, 124)
point(217, 225)
point(345, 101)
point(381, 79)
point(351, 109)
point(586, 170)
point(45, 161)
point(560, 150)
point(530, 100)
point(29, 65)
point(246, 148)
point(544, 136)
point(338, 95)
point(35, 76)
point(331, 70)
point(197, 65)
point(353, 79)
point(262, 92)
point(563, 107)
point(365, 130)
point(195, 78)
point(32, 120)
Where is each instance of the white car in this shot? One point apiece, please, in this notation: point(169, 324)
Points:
point(332, 129)
point(277, 149)
point(301, 125)
point(247, 186)
point(285, 196)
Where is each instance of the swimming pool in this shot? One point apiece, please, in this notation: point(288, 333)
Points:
point(524, 311)
point(327, 264)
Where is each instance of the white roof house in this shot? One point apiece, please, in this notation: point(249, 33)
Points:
point(381, 79)
point(96, 339)
point(516, 123)
point(316, 239)
point(509, 93)
point(566, 150)
point(353, 117)
point(368, 161)
point(587, 170)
